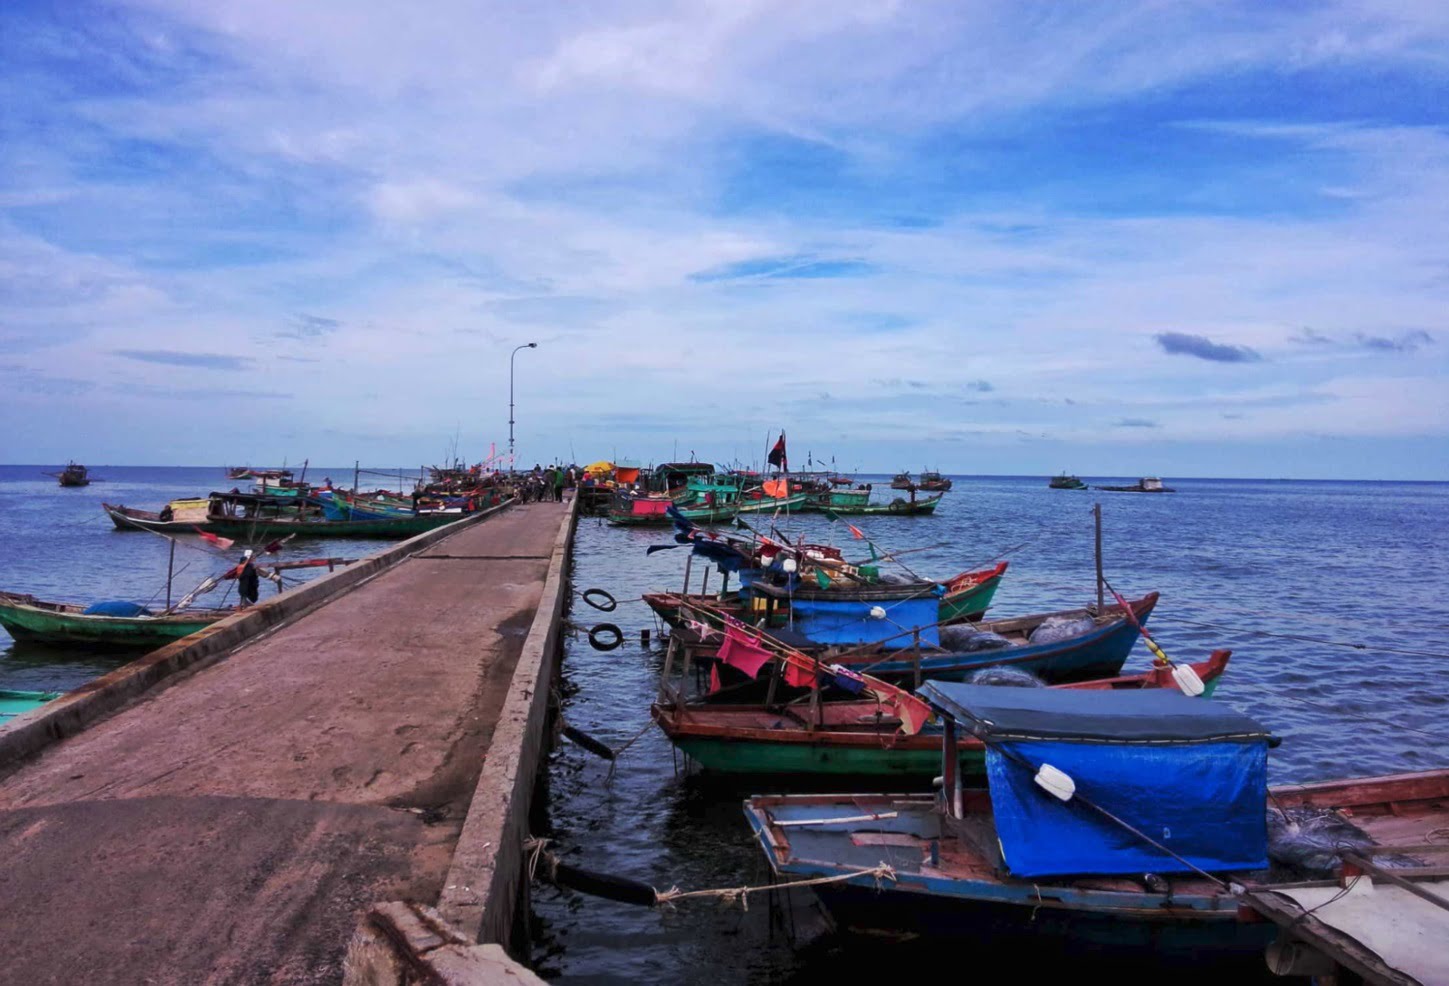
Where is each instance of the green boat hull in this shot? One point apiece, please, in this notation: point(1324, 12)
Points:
point(126, 633)
point(13, 703)
point(973, 602)
point(738, 756)
point(898, 508)
point(788, 504)
point(383, 527)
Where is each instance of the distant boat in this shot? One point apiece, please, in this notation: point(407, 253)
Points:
point(74, 474)
point(902, 481)
point(896, 506)
point(1147, 484)
point(1065, 482)
point(934, 482)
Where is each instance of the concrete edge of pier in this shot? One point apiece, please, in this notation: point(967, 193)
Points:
point(482, 890)
point(31, 733)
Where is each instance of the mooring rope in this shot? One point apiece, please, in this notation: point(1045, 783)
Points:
point(538, 852)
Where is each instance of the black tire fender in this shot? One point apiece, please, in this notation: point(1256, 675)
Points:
point(600, 599)
point(605, 636)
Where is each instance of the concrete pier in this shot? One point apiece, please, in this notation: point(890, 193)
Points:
point(237, 825)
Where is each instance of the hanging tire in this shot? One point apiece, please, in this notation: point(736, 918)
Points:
point(605, 636)
point(600, 600)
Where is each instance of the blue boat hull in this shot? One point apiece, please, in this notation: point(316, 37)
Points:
point(1098, 654)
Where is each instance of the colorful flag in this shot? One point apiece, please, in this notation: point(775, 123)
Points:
point(220, 542)
point(739, 651)
point(714, 684)
point(777, 454)
point(822, 578)
point(856, 532)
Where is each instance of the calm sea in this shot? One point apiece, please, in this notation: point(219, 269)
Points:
point(1363, 565)
point(1333, 596)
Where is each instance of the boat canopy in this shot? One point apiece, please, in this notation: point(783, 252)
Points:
point(1188, 774)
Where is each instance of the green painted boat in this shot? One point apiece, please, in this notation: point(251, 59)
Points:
point(794, 503)
point(850, 738)
point(1065, 482)
point(969, 595)
point(267, 528)
point(14, 703)
point(29, 619)
point(835, 499)
point(896, 507)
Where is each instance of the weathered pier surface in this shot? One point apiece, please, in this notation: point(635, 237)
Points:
point(237, 825)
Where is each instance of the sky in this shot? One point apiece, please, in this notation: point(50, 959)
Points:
point(1117, 239)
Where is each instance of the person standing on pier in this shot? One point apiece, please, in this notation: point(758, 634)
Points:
point(248, 582)
point(558, 484)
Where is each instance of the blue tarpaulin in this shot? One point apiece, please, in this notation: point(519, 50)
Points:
point(116, 607)
point(849, 621)
point(1189, 773)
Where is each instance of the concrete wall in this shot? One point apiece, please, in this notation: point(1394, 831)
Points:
point(482, 891)
point(27, 735)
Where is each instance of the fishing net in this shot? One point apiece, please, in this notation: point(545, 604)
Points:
point(965, 639)
point(1308, 841)
point(1006, 678)
point(1057, 628)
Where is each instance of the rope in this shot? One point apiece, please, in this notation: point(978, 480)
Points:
point(1309, 640)
point(881, 872)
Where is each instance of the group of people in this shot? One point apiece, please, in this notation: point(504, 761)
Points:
point(547, 482)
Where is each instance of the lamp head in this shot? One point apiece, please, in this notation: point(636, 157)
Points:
point(533, 345)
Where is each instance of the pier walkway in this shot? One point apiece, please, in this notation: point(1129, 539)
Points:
point(234, 826)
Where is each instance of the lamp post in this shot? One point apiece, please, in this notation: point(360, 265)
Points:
point(526, 345)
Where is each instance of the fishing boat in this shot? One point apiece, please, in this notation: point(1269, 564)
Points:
point(771, 503)
point(838, 480)
point(1130, 822)
point(73, 475)
point(256, 529)
point(799, 735)
point(15, 703)
point(109, 625)
point(1147, 484)
point(634, 509)
point(837, 498)
point(969, 594)
point(1098, 652)
point(902, 481)
point(177, 517)
point(934, 482)
point(1065, 482)
point(896, 507)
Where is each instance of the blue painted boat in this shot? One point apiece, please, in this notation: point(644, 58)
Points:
point(1098, 653)
point(1014, 859)
point(846, 615)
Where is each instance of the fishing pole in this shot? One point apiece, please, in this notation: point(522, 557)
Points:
point(1186, 678)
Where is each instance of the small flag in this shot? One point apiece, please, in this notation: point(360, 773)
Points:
point(777, 454)
point(822, 578)
point(832, 516)
point(873, 555)
point(714, 684)
point(856, 532)
point(220, 542)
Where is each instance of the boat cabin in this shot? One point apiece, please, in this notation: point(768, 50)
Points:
point(1106, 783)
point(674, 477)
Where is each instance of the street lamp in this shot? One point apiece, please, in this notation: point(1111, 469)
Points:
point(526, 345)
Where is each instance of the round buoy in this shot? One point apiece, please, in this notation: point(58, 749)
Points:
point(605, 636)
point(600, 600)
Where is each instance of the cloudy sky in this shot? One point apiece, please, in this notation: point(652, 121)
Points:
point(1188, 239)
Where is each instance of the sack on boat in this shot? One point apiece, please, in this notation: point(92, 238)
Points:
point(965, 639)
point(1310, 840)
point(1057, 628)
point(115, 607)
point(1006, 678)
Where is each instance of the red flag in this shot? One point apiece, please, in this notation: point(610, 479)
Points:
point(739, 651)
point(856, 532)
point(220, 542)
point(714, 684)
point(777, 454)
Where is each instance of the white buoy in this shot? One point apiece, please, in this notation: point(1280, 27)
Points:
point(789, 565)
point(1056, 783)
point(1188, 680)
point(877, 612)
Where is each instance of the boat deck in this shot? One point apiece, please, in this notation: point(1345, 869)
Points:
point(233, 827)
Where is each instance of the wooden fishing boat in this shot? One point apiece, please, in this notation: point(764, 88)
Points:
point(1065, 482)
point(1147, 484)
point(793, 503)
point(14, 703)
point(255, 529)
point(835, 499)
point(1097, 653)
point(896, 507)
point(183, 518)
point(902, 481)
point(29, 619)
point(969, 594)
point(1143, 833)
point(792, 740)
point(73, 475)
point(630, 509)
point(934, 482)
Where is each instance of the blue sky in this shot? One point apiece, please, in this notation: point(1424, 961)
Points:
point(1111, 238)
